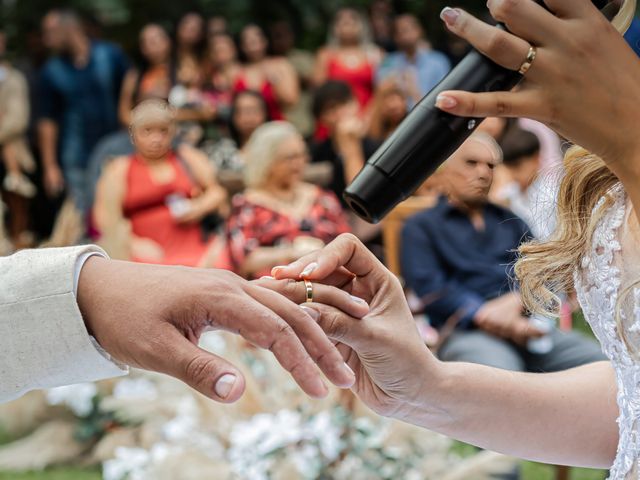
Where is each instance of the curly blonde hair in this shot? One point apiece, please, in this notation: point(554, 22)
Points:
point(546, 268)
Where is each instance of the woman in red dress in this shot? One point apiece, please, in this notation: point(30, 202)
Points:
point(274, 77)
point(162, 196)
point(279, 217)
point(350, 56)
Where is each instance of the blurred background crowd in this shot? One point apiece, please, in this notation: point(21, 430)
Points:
point(221, 135)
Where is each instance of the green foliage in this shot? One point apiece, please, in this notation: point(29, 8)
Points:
point(122, 19)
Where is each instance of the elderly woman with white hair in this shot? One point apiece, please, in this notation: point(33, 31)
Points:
point(163, 195)
point(279, 217)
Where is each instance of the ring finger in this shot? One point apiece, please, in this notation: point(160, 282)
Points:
point(325, 294)
point(527, 19)
point(500, 46)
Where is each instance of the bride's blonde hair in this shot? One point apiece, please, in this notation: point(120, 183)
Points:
point(546, 268)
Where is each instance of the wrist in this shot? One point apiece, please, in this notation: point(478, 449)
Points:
point(89, 276)
point(429, 406)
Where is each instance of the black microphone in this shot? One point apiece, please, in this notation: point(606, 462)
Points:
point(428, 136)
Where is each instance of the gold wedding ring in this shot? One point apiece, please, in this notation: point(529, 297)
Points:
point(526, 65)
point(308, 286)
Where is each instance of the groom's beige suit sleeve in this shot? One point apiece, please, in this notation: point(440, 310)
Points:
point(43, 339)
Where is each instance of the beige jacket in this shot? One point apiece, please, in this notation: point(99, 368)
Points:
point(43, 339)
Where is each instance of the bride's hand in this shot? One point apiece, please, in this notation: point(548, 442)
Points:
point(383, 348)
point(584, 82)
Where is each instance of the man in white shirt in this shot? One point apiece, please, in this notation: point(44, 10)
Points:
point(71, 315)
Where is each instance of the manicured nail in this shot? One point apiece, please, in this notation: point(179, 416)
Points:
point(446, 102)
point(449, 15)
point(358, 300)
point(224, 385)
point(348, 369)
point(267, 277)
point(308, 270)
point(275, 270)
point(311, 312)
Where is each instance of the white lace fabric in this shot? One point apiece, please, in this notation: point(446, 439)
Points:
point(606, 274)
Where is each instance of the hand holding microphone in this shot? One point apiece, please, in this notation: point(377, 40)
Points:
point(579, 74)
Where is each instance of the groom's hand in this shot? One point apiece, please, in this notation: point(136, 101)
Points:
point(151, 317)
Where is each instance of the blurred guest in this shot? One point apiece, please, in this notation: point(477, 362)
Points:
point(216, 25)
point(223, 70)
point(156, 76)
point(273, 77)
point(381, 16)
point(389, 109)
point(248, 112)
point(78, 101)
point(164, 196)
point(531, 194)
point(191, 40)
point(456, 256)
point(14, 120)
point(283, 44)
point(551, 148)
point(416, 68)
point(347, 146)
point(279, 217)
point(496, 127)
point(15, 152)
point(350, 56)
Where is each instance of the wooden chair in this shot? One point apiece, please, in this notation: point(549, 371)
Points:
point(392, 228)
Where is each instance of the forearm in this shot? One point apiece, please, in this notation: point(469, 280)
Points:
point(561, 418)
point(263, 258)
point(48, 138)
point(353, 159)
point(287, 91)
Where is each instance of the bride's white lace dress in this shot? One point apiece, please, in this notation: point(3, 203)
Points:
point(609, 268)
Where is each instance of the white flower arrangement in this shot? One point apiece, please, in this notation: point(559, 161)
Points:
point(78, 398)
point(151, 427)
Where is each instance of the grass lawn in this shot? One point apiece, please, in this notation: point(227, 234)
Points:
point(54, 474)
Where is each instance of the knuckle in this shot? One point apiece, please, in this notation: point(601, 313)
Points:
point(332, 324)
point(502, 106)
point(473, 107)
point(503, 9)
point(283, 332)
point(349, 237)
point(290, 288)
point(199, 369)
point(497, 43)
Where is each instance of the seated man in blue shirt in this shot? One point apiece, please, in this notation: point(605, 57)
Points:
point(458, 258)
point(415, 67)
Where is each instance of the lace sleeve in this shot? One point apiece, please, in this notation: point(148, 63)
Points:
point(627, 312)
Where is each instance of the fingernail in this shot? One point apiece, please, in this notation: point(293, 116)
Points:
point(275, 270)
point(309, 269)
point(444, 101)
point(311, 312)
point(267, 277)
point(348, 369)
point(358, 300)
point(224, 385)
point(449, 15)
